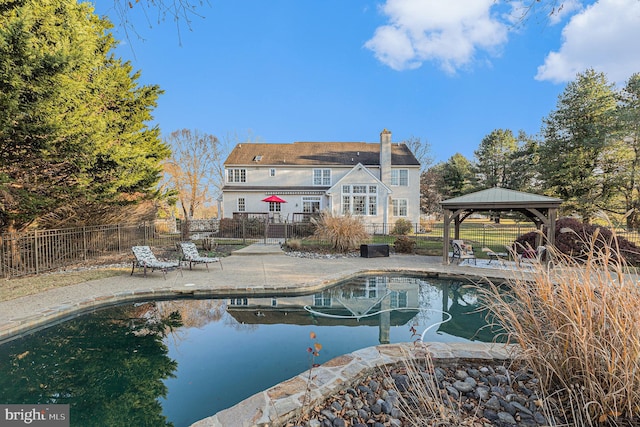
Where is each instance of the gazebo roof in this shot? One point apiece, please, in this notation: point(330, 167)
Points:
point(496, 198)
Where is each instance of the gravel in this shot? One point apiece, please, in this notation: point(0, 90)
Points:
point(468, 395)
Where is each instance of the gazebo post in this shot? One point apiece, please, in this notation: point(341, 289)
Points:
point(445, 236)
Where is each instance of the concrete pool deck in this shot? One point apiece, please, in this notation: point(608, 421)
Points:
point(254, 271)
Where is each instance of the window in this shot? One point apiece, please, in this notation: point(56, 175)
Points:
point(272, 172)
point(399, 299)
point(373, 205)
point(360, 189)
point(241, 204)
point(399, 207)
point(310, 204)
point(275, 207)
point(360, 199)
point(236, 175)
point(346, 205)
point(238, 301)
point(322, 177)
point(322, 299)
point(371, 288)
point(359, 205)
point(400, 177)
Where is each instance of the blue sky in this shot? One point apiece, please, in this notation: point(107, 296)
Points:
point(445, 71)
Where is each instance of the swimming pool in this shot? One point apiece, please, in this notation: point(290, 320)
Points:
point(175, 362)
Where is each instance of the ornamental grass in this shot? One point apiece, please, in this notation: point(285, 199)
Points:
point(344, 232)
point(577, 324)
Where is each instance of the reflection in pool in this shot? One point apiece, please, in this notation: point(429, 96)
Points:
point(175, 362)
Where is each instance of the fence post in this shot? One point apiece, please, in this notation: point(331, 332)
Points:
point(484, 232)
point(243, 230)
point(266, 229)
point(36, 246)
point(119, 239)
point(84, 243)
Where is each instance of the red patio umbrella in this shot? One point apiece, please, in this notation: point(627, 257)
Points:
point(274, 198)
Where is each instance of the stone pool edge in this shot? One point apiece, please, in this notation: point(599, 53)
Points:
point(70, 308)
point(285, 401)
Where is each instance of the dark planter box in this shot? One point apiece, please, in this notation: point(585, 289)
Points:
point(374, 251)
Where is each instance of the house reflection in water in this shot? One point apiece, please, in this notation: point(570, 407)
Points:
point(381, 301)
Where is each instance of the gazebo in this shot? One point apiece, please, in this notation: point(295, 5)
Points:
point(542, 210)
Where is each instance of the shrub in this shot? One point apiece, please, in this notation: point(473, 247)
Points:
point(573, 238)
point(404, 245)
point(294, 244)
point(577, 329)
point(342, 232)
point(402, 227)
point(426, 225)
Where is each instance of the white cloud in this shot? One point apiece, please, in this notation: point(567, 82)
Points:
point(566, 8)
point(449, 33)
point(604, 36)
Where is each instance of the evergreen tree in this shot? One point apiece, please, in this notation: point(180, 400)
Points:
point(494, 157)
point(524, 161)
point(625, 158)
point(73, 135)
point(458, 177)
point(575, 136)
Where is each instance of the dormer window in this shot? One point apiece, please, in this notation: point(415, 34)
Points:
point(257, 158)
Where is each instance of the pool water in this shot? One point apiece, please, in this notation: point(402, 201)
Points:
point(175, 362)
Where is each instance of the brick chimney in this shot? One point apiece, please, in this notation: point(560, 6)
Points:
point(385, 157)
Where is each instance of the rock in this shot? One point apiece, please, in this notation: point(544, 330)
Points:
point(506, 417)
point(463, 386)
point(487, 395)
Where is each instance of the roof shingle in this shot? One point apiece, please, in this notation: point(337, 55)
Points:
point(318, 154)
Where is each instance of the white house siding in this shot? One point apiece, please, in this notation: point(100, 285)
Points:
point(288, 180)
point(292, 183)
point(351, 164)
point(411, 193)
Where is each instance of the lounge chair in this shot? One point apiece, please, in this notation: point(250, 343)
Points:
point(462, 251)
point(190, 254)
point(495, 256)
point(144, 258)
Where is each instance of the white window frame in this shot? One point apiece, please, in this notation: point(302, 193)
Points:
point(236, 175)
point(272, 172)
point(311, 200)
point(400, 177)
point(399, 205)
point(360, 199)
point(322, 177)
point(322, 299)
point(275, 207)
point(242, 204)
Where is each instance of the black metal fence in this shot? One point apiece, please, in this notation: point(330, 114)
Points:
point(39, 251)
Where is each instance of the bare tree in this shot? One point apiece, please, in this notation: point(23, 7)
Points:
point(191, 169)
point(422, 151)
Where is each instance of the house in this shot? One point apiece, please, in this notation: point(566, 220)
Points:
point(378, 181)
